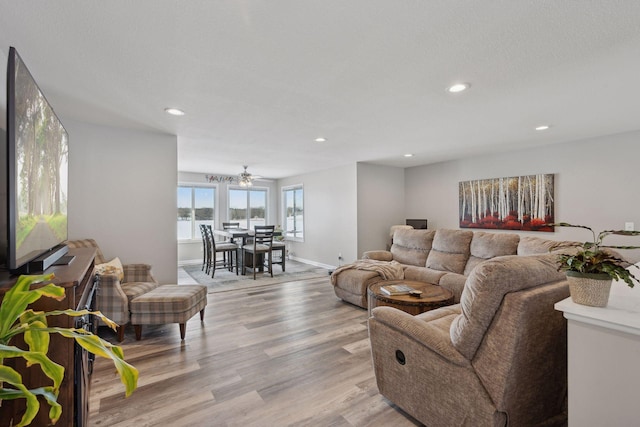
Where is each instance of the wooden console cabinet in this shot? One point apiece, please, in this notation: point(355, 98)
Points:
point(77, 279)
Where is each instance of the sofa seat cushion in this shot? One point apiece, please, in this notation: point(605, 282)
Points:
point(450, 250)
point(485, 289)
point(485, 246)
point(412, 247)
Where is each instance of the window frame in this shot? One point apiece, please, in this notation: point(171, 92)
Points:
point(286, 189)
point(195, 233)
point(248, 203)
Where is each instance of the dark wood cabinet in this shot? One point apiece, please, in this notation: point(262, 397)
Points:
point(78, 280)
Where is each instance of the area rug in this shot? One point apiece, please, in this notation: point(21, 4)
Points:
point(225, 281)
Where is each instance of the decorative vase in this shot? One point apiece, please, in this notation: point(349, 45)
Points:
point(589, 288)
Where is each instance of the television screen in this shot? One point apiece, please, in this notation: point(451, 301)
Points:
point(38, 147)
point(419, 224)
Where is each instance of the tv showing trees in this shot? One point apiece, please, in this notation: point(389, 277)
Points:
point(39, 155)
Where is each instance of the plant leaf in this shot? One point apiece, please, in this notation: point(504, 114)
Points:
point(99, 347)
point(17, 299)
point(10, 376)
point(50, 368)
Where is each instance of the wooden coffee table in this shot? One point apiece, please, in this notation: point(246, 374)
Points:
point(433, 296)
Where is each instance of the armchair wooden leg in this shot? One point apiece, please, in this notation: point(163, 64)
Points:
point(202, 315)
point(138, 329)
point(120, 332)
point(183, 327)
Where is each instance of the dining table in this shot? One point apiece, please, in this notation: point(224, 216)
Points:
point(242, 234)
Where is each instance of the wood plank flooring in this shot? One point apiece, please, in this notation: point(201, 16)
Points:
point(281, 355)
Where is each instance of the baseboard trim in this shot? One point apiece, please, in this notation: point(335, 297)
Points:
point(317, 264)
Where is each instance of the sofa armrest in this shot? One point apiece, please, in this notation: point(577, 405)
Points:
point(425, 333)
point(378, 255)
point(138, 273)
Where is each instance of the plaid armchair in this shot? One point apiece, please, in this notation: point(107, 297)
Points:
point(114, 295)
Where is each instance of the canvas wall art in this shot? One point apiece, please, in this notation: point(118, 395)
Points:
point(513, 203)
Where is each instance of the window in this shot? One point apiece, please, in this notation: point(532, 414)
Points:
point(292, 201)
point(196, 205)
point(248, 206)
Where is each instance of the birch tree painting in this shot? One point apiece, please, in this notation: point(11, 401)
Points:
point(513, 203)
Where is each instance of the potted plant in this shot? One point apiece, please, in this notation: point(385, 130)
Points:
point(16, 319)
point(590, 268)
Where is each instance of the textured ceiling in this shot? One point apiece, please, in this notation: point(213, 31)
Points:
point(259, 80)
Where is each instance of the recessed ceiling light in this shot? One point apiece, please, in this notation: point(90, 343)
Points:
point(542, 127)
point(408, 155)
point(458, 87)
point(174, 111)
point(320, 139)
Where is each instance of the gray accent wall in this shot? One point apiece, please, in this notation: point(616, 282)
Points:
point(122, 192)
point(380, 204)
point(330, 215)
point(595, 185)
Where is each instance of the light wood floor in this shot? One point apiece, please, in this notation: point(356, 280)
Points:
point(288, 354)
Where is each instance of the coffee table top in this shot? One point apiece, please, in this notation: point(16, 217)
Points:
point(431, 294)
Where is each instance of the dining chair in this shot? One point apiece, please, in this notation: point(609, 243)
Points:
point(278, 245)
point(227, 250)
point(206, 249)
point(259, 249)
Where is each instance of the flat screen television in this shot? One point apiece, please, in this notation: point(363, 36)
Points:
point(419, 224)
point(37, 180)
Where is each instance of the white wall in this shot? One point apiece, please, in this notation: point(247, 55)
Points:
point(380, 204)
point(595, 183)
point(330, 215)
point(191, 251)
point(122, 192)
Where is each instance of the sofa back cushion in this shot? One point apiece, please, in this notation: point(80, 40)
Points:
point(485, 246)
point(412, 247)
point(450, 250)
point(485, 289)
point(530, 245)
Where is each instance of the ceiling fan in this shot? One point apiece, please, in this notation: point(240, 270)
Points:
point(245, 179)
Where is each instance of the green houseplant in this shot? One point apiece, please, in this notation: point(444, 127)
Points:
point(590, 267)
point(16, 319)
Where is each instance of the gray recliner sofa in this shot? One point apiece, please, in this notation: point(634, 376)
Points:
point(442, 257)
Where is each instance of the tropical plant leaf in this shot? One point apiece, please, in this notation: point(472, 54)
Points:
point(17, 299)
point(591, 258)
point(16, 319)
point(79, 313)
point(102, 348)
point(50, 368)
point(10, 376)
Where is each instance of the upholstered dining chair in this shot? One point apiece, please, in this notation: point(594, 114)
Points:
point(259, 248)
